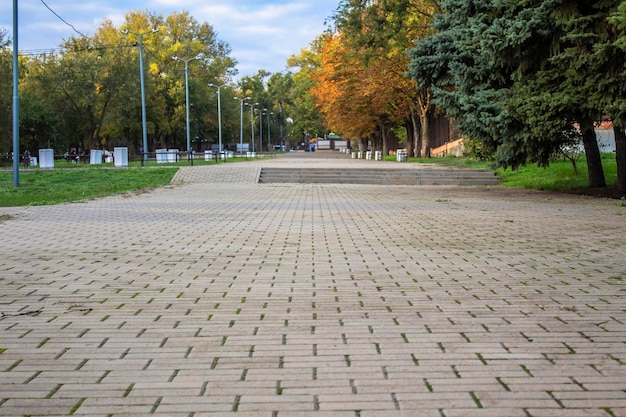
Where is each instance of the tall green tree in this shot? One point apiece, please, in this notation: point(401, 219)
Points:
point(88, 96)
point(617, 105)
point(88, 78)
point(40, 116)
point(304, 115)
point(255, 87)
point(517, 75)
point(182, 36)
point(579, 80)
point(280, 88)
point(6, 86)
point(568, 84)
point(378, 34)
point(466, 81)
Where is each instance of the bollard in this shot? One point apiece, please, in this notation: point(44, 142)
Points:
point(120, 156)
point(95, 157)
point(46, 158)
point(161, 156)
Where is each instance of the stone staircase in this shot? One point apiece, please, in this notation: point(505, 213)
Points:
point(422, 176)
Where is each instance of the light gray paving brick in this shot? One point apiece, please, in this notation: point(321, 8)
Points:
point(219, 296)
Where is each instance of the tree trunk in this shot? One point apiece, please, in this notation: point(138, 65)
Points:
point(383, 133)
point(361, 145)
point(620, 158)
point(417, 142)
point(423, 99)
point(96, 134)
point(408, 126)
point(592, 154)
point(424, 136)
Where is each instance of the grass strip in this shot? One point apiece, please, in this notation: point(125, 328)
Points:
point(42, 187)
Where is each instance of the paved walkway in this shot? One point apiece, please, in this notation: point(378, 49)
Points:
point(218, 296)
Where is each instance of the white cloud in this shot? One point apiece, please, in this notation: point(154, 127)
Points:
point(264, 35)
point(261, 34)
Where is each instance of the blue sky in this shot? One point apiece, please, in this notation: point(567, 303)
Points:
point(261, 34)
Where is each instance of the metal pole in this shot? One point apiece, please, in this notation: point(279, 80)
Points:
point(269, 138)
point(219, 113)
point(252, 125)
point(144, 128)
point(186, 61)
point(219, 116)
point(241, 101)
point(16, 109)
point(241, 127)
point(280, 119)
point(261, 129)
point(187, 105)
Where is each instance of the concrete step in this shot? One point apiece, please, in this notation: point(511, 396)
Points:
point(438, 176)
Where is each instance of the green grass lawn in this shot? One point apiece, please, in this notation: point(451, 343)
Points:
point(559, 176)
point(69, 181)
point(41, 187)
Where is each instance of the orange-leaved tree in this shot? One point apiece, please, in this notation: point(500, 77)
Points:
point(354, 98)
point(378, 34)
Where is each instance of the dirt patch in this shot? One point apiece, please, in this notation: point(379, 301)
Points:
point(603, 192)
point(6, 217)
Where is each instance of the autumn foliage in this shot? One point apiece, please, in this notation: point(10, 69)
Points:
point(361, 85)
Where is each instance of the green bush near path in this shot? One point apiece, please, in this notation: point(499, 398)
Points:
point(43, 187)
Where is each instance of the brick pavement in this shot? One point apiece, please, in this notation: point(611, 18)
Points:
point(218, 296)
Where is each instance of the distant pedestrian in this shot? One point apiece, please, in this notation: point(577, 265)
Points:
point(26, 159)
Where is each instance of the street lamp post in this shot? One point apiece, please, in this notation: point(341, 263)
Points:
point(269, 136)
point(219, 113)
point(16, 107)
point(186, 61)
point(143, 92)
point(252, 123)
point(261, 129)
point(241, 100)
point(280, 118)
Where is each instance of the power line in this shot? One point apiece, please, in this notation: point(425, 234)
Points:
point(55, 51)
point(38, 52)
point(100, 46)
point(63, 20)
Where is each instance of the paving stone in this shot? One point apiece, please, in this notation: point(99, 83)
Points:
point(220, 296)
